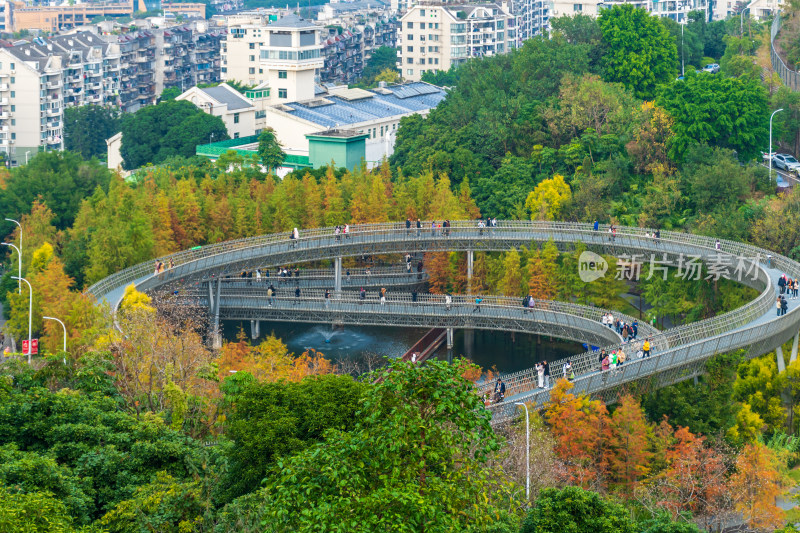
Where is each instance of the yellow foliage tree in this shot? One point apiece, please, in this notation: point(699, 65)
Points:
point(548, 200)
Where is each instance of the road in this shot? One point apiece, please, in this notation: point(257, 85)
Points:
point(788, 176)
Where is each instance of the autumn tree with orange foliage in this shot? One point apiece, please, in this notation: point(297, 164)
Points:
point(270, 361)
point(755, 486)
point(630, 448)
point(582, 431)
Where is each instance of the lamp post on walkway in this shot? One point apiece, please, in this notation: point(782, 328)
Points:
point(770, 142)
point(527, 452)
point(19, 265)
point(30, 314)
point(19, 251)
point(65, 335)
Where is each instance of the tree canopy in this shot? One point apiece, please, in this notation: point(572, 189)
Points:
point(87, 127)
point(171, 128)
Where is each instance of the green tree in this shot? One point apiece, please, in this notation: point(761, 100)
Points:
point(574, 509)
point(416, 460)
point(60, 179)
point(726, 112)
point(382, 58)
point(270, 152)
point(639, 51)
point(169, 93)
point(270, 420)
point(33, 511)
point(87, 127)
point(156, 133)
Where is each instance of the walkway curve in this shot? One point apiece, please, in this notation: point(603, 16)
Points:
point(680, 352)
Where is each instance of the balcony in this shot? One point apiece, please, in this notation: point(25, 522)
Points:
point(3, 87)
point(94, 98)
point(53, 84)
point(50, 124)
point(53, 111)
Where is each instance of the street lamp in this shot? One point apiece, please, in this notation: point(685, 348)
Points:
point(20, 234)
point(741, 17)
point(65, 334)
point(770, 142)
point(19, 256)
point(30, 314)
point(527, 451)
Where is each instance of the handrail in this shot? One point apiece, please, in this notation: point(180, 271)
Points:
point(789, 77)
point(518, 232)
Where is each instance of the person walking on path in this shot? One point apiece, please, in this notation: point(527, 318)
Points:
point(596, 225)
point(778, 305)
point(448, 301)
point(362, 295)
point(782, 283)
point(297, 294)
point(408, 227)
point(646, 348)
point(605, 363)
point(499, 391)
point(784, 306)
point(383, 295)
point(419, 227)
point(600, 358)
point(271, 294)
point(540, 375)
point(478, 301)
point(718, 246)
point(327, 297)
point(546, 374)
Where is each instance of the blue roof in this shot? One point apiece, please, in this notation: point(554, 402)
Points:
point(407, 98)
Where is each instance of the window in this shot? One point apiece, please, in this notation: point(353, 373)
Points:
point(410, 72)
point(252, 58)
point(236, 118)
point(422, 13)
point(410, 60)
point(374, 131)
point(13, 135)
point(430, 61)
point(13, 94)
point(577, 7)
point(282, 74)
point(422, 61)
point(236, 135)
point(435, 60)
point(435, 25)
point(381, 131)
point(422, 25)
point(251, 70)
point(422, 71)
point(252, 46)
point(458, 39)
point(13, 67)
point(261, 71)
point(501, 24)
point(13, 122)
point(282, 93)
point(410, 25)
point(410, 48)
point(261, 114)
point(458, 28)
point(13, 108)
point(410, 37)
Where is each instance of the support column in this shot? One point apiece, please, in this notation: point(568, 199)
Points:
point(781, 362)
point(216, 336)
point(255, 329)
point(211, 297)
point(470, 261)
point(449, 338)
point(337, 284)
point(469, 342)
point(793, 357)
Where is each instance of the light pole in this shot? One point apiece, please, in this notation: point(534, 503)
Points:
point(26, 156)
point(741, 17)
point(30, 314)
point(65, 334)
point(770, 142)
point(683, 73)
point(19, 263)
point(20, 237)
point(527, 452)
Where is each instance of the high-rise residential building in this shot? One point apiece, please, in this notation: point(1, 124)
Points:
point(286, 55)
point(438, 36)
point(41, 77)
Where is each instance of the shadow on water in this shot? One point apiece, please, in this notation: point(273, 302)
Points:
point(506, 352)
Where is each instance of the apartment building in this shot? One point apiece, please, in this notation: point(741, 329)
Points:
point(436, 37)
point(285, 55)
point(39, 78)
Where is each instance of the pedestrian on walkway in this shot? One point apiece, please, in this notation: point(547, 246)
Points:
point(499, 391)
point(784, 305)
point(270, 294)
point(605, 363)
point(327, 297)
point(383, 295)
point(596, 225)
point(414, 295)
point(297, 293)
point(646, 348)
point(540, 375)
point(408, 226)
point(782, 283)
point(718, 246)
point(478, 301)
point(362, 295)
point(419, 227)
point(448, 301)
point(546, 374)
point(778, 305)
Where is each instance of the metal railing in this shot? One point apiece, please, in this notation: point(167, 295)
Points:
point(318, 244)
point(789, 77)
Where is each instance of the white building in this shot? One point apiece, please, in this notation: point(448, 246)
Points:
point(436, 37)
point(285, 55)
point(237, 112)
point(375, 112)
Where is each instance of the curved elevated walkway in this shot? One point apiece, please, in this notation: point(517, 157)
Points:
point(678, 353)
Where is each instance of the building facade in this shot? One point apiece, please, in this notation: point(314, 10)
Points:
point(285, 55)
point(41, 77)
point(437, 37)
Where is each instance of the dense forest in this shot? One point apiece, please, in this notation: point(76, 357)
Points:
point(151, 430)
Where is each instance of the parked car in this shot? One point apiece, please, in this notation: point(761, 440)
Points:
point(766, 157)
point(713, 68)
point(786, 162)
